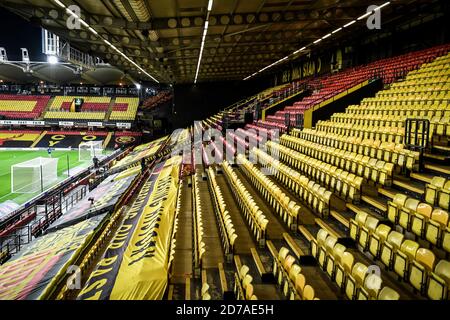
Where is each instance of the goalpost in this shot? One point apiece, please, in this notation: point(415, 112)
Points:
point(34, 175)
point(90, 149)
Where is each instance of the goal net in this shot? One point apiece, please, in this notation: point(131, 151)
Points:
point(34, 175)
point(90, 149)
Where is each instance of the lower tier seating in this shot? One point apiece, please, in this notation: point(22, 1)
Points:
point(350, 276)
point(405, 257)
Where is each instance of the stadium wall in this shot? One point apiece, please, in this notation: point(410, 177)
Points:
point(199, 101)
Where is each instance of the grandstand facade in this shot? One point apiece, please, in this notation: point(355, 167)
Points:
point(314, 164)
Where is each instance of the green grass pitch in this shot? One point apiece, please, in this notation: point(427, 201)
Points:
point(9, 158)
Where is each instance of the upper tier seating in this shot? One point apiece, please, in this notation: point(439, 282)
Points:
point(388, 69)
point(424, 94)
point(157, 100)
point(124, 109)
point(93, 108)
point(22, 107)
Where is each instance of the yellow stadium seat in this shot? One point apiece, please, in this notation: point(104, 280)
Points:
point(432, 189)
point(422, 264)
point(390, 247)
point(436, 226)
point(388, 293)
point(404, 256)
point(439, 282)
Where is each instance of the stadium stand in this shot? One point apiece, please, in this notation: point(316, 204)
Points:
point(22, 107)
point(330, 86)
point(351, 206)
point(124, 109)
point(154, 101)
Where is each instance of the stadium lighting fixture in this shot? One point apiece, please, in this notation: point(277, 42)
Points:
point(138, 86)
point(210, 3)
point(382, 6)
point(349, 24)
point(59, 3)
point(317, 41)
point(326, 36)
point(52, 59)
point(202, 45)
point(336, 31)
point(85, 24)
point(93, 30)
point(365, 15)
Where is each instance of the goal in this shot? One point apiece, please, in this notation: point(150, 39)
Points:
point(34, 175)
point(90, 149)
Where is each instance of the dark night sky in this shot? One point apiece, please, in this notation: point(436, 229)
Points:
point(16, 33)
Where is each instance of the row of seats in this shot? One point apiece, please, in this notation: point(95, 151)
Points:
point(341, 162)
point(398, 107)
point(382, 133)
point(421, 219)
point(154, 101)
point(439, 125)
point(395, 115)
point(243, 287)
point(437, 192)
point(226, 227)
point(286, 208)
point(74, 115)
point(254, 216)
point(424, 93)
point(352, 277)
point(241, 144)
point(289, 276)
point(281, 127)
point(250, 135)
point(342, 182)
point(199, 233)
point(386, 151)
point(87, 106)
point(411, 263)
point(312, 193)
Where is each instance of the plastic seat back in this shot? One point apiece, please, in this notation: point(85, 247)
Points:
point(426, 258)
point(283, 253)
point(395, 239)
point(400, 199)
point(425, 210)
point(409, 248)
point(308, 292)
point(359, 272)
point(347, 261)
point(322, 236)
point(338, 251)
point(442, 269)
point(388, 293)
point(300, 282)
point(440, 216)
point(383, 231)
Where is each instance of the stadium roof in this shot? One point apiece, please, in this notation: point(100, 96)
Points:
point(162, 40)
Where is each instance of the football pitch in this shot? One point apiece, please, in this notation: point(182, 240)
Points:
point(9, 158)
